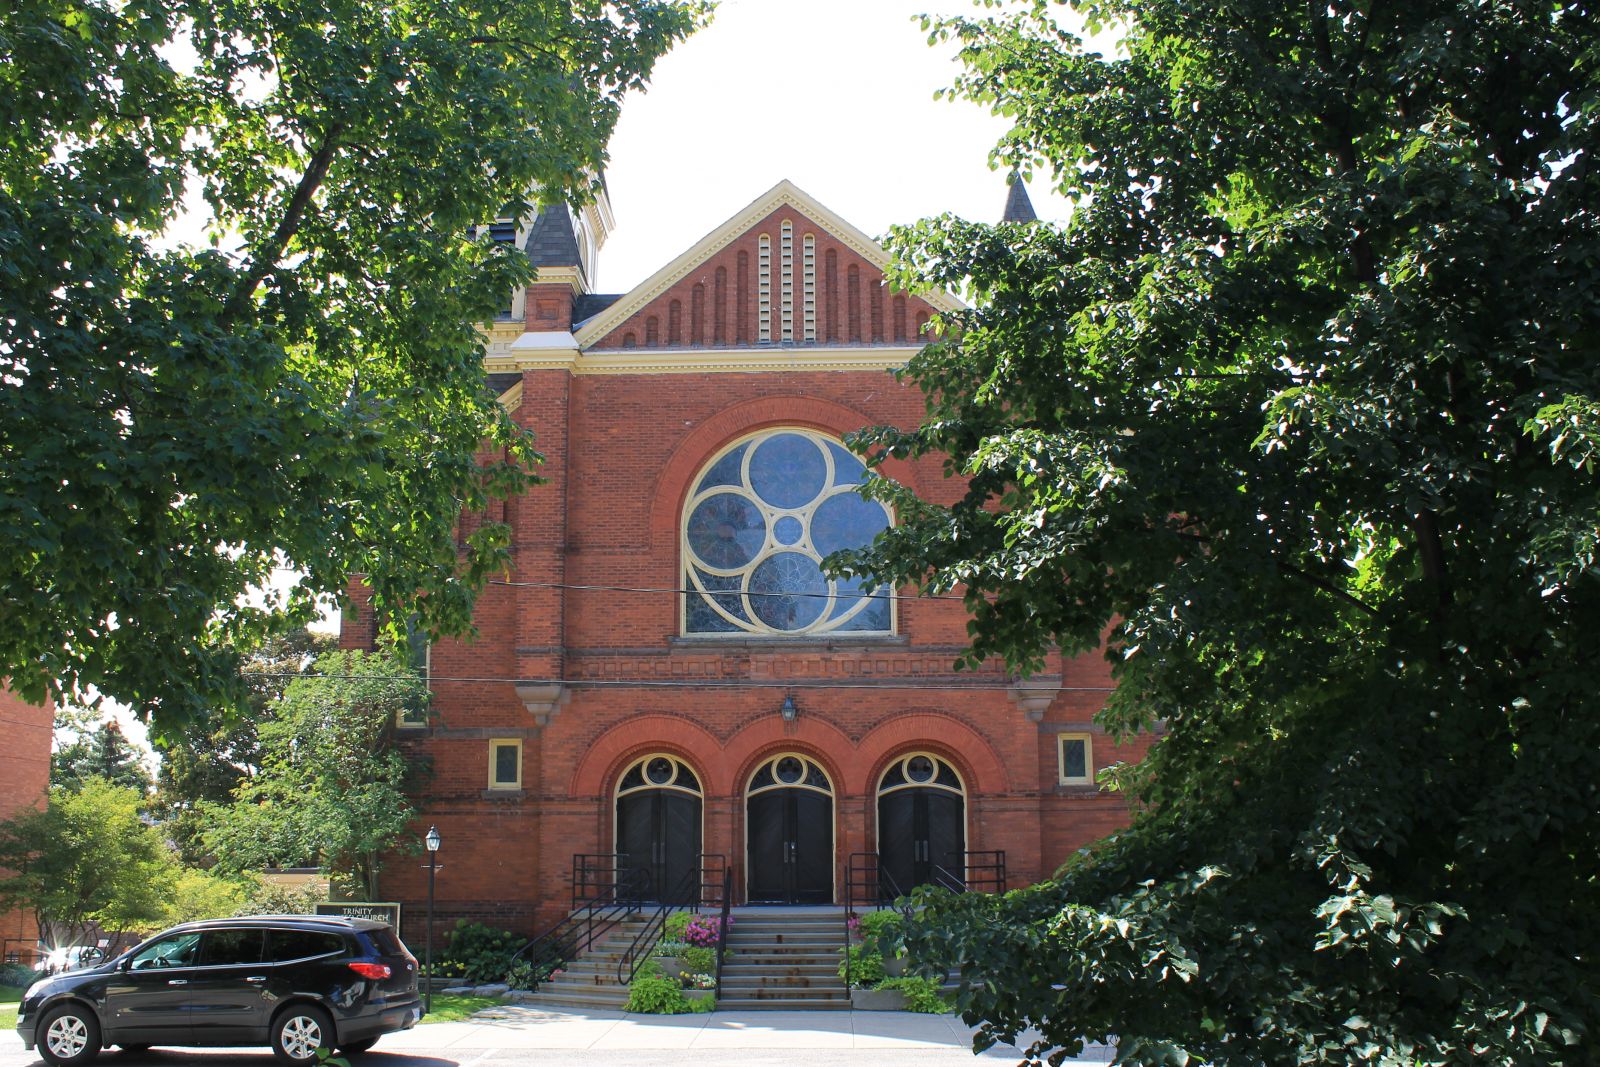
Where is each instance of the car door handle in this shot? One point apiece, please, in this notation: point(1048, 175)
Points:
point(178, 981)
point(256, 978)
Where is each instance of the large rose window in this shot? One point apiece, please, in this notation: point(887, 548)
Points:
point(761, 519)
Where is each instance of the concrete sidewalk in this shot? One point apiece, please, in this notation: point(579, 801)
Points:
point(511, 1034)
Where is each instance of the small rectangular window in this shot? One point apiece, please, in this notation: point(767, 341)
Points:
point(505, 764)
point(419, 653)
point(1075, 759)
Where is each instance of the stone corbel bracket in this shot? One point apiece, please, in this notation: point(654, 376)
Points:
point(543, 701)
point(1033, 695)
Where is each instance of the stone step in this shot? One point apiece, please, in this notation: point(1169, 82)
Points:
point(748, 1004)
point(781, 983)
point(749, 951)
point(577, 1000)
point(766, 966)
point(780, 937)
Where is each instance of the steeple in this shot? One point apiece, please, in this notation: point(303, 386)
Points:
point(1018, 207)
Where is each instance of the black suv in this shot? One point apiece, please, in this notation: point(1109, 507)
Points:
point(299, 983)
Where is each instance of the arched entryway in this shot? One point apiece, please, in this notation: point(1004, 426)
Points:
point(659, 802)
point(922, 823)
point(789, 833)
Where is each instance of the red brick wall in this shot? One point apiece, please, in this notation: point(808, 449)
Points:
point(621, 454)
point(24, 779)
point(716, 304)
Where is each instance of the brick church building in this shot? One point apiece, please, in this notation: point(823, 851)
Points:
point(667, 674)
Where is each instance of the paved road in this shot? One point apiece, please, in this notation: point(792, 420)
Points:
point(521, 1036)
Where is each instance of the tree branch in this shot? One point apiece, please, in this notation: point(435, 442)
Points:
point(1327, 587)
point(288, 226)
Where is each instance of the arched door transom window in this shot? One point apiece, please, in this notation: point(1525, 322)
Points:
point(789, 832)
point(760, 520)
point(659, 806)
point(922, 816)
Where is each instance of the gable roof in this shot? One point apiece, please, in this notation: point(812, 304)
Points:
point(784, 193)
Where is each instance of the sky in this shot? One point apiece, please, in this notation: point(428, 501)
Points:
point(834, 95)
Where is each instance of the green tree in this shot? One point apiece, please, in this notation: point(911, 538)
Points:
point(176, 421)
point(1304, 405)
point(220, 749)
point(103, 752)
point(87, 859)
point(331, 789)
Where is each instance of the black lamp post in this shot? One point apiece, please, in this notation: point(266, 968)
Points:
point(432, 841)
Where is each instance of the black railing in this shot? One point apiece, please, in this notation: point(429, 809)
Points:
point(868, 884)
point(982, 872)
point(615, 897)
point(708, 885)
point(683, 895)
point(596, 873)
point(726, 922)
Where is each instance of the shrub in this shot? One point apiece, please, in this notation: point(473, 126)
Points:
point(479, 953)
point(666, 947)
point(922, 994)
point(652, 993)
point(18, 974)
point(700, 960)
point(675, 925)
point(865, 966)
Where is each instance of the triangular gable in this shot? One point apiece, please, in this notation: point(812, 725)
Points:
point(713, 294)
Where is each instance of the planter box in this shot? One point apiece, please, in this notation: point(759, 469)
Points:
point(877, 1000)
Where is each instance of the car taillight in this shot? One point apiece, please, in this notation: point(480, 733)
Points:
point(374, 971)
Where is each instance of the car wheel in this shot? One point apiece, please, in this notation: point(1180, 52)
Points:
point(299, 1031)
point(356, 1048)
point(69, 1035)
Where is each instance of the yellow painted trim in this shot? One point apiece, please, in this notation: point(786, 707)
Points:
point(1088, 759)
point(511, 399)
point(573, 276)
point(495, 744)
point(785, 192)
point(709, 360)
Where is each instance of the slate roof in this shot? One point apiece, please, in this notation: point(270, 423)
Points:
point(499, 383)
point(589, 305)
point(1018, 207)
point(551, 242)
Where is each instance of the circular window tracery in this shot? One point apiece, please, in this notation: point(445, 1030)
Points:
point(920, 770)
point(658, 771)
point(756, 529)
point(790, 771)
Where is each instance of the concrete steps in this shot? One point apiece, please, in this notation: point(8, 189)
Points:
point(783, 960)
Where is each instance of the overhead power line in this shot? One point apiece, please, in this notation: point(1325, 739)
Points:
point(717, 592)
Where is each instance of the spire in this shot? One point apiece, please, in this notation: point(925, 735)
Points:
point(1018, 207)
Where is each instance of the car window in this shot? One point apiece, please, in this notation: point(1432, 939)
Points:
point(286, 945)
point(175, 950)
point(385, 941)
point(222, 947)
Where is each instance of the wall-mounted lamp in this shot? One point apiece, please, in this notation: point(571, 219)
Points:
point(788, 711)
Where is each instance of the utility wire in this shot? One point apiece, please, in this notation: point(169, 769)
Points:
point(717, 592)
point(678, 683)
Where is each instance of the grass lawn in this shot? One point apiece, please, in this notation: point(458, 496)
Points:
point(10, 997)
point(451, 1008)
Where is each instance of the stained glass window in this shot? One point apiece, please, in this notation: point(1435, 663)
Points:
point(760, 520)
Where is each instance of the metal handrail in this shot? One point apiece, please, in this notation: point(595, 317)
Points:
point(726, 920)
point(588, 921)
point(677, 897)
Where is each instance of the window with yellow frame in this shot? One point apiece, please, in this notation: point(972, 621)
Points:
point(505, 763)
point(1074, 759)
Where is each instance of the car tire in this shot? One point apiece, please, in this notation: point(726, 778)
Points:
point(68, 1036)
point(356, 1048)
point(299, 1031)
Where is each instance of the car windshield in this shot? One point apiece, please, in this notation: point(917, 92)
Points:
point(174, 950)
